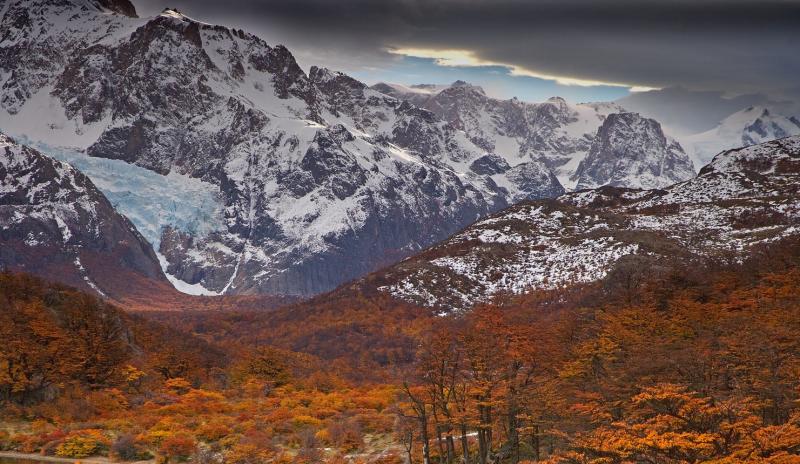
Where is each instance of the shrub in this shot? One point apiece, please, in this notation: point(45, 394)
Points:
point(180, 447)
point(107, 402)
point(346, 434)
point(6, 442)
point(36, 442)
point(128, 448)
point(213, 431)
point(82, 444)
point(178, 385)
point(303, 421)
point(246, 454)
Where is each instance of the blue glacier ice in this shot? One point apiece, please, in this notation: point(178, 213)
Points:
point(150, 200)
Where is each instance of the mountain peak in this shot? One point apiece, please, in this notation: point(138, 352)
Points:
point(631, 150)
point(123, 7)
point(466, 85)
point(750, 126)
point(763, 158)
point(174, 13)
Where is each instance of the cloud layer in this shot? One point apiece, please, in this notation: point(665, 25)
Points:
point(735, 46)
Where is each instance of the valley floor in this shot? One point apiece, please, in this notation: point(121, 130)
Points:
point(8, 457)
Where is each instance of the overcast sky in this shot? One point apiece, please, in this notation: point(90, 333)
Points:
point(580, 49)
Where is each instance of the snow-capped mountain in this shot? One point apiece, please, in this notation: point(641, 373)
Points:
point(558, 133)
point(632, 151)
point(56, 223)
point(749, 126)
point(318, 179)
point(743, 198)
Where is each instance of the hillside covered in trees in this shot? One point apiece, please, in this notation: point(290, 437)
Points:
point(688, 363)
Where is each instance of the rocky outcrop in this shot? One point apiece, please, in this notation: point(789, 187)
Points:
point(632, 151)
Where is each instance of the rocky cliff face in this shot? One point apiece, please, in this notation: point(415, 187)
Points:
point(54, 222)
point(632, 151)
point(320, 178)
point(743, 198)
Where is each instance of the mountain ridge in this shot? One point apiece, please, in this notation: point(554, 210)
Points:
point(554, 131)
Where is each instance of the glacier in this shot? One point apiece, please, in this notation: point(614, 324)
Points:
point(151, 201)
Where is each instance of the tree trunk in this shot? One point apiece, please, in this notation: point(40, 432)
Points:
point(481, 446)
point(535, 443)
point(440, 444)
point(484, 434)
point(451, 447)
point(488, 432)
point(464, 444)
point(426, 447)
point(513, 426)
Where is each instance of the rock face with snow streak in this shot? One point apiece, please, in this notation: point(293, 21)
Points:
point(321, 179)
point(743, 198)
point(632, 151)
point(54, 222)
point(747, 127)
point(555, 132)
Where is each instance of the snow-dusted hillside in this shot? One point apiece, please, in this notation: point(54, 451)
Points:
point(749, 126)
point(743, 198)
point(320, 178)
point(556, 132)
point(56, 223)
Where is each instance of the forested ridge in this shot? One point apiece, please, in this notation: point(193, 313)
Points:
point(687, 362)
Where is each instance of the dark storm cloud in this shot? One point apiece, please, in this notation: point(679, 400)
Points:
point(737, 46)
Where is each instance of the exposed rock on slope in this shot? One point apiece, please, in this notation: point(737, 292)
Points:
point(55, 223)
point(745, 197)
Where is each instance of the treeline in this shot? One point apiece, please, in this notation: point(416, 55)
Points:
point(690, 364)
point(80, 378)
point(55, 338)
point(360, 336)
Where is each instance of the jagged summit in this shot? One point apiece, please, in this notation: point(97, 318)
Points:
point(174, 13)
point(459, 84)
point(632, 151)
point(553, 132)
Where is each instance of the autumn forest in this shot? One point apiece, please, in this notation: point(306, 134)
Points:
point(693, 362)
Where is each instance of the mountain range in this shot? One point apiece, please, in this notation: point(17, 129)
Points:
point(212, 161)
point(625, 150)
